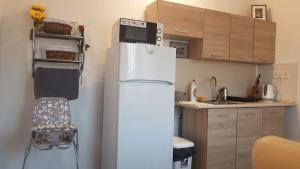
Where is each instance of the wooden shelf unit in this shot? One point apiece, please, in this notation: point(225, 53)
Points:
point(81, 48)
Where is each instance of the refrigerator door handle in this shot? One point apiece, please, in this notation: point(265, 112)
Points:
point(149, 49)
point(148, 81)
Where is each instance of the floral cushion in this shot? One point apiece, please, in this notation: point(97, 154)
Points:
point(52, 122)
point(51, 112)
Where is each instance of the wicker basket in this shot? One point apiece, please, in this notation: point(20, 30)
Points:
point(61, 53)
point(57, 27)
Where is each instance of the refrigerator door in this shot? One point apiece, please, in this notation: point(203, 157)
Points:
point(145, 131)
point(147, 62)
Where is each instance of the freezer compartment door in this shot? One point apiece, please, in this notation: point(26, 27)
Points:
point(146, 117)
point(147, 62)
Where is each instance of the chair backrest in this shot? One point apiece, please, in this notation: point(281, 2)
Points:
point(273, 152)
point(51, 111)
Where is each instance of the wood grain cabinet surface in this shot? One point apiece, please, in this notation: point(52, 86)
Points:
point(214, 133)
point(216, 35)
point(241, 38)
point(273, 121)
point(221, 138)
point(264, 41)
point(178, 20)
point(249, 129)
point(224, 137)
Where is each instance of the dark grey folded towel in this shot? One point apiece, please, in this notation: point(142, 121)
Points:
point(56, 82)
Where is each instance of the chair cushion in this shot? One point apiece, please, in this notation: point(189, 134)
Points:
point(51, 112)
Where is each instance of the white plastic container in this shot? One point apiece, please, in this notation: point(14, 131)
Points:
point(193, 91)
point(182, 153)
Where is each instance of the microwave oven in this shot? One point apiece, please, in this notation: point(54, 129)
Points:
point(136, 31)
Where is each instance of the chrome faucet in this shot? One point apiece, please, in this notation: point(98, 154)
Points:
point(213, 86)
point(223, 94)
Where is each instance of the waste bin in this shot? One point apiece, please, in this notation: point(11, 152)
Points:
point(183, 151)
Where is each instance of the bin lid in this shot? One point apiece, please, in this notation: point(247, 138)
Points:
point(179, 142)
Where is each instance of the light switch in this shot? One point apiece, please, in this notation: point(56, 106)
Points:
point(280, 75)
point(285, 75)
point(277, 75)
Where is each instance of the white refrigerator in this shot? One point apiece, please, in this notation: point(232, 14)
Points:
point(138, 107)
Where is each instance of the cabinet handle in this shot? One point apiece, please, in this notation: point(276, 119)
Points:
point(223, 115)
point(275, 113)
point(264, 60)
point(216, 56)
point(250, 114)
point(181, 31)
point(242, 58)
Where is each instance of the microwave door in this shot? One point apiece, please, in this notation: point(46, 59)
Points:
point(134, 34)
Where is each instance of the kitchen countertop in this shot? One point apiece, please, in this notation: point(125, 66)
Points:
point(200, 105)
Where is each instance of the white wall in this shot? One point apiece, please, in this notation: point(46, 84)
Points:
point(16, 85)
point(1, 6)
point(285, 14)
point(236, 77)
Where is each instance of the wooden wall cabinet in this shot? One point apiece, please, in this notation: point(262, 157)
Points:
point(264, 41)
point(249, 129)
point(216, 35)
point(178, 20)
point(241, 38)
point(224, 137)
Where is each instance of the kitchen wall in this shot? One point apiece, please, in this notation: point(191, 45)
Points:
point(1, 6)
point(235, 76)
point(228, 75)
point(16, 85)
point(287, 59)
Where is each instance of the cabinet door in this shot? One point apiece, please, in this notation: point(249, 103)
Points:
point(221, 138)
point(180, 20)
point(264, 41)
point(241, 38)
point(216, 35)
point(249, 129)
point(273, 121)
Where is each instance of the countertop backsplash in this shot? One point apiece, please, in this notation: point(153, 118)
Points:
point(237, 77)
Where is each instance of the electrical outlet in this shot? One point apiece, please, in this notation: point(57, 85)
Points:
point(285, 75)
point(280, 75)
point(277, 75)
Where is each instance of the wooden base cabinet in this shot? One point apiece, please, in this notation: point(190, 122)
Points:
point(224, 137)
point(221, 138)
point(214, 133)
point(273, 121)
point(249, 129)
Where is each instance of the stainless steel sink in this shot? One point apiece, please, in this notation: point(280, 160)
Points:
point(214, 102)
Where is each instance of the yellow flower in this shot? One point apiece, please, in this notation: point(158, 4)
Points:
point(37, 15)
point(38, 7)
point(37, 12)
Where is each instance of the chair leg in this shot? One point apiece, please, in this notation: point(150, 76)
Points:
point(76, 149)
point(27, 152)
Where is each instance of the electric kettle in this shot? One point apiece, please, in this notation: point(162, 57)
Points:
point(269, 92)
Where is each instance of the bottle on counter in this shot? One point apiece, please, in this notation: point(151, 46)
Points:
point(193, 91)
